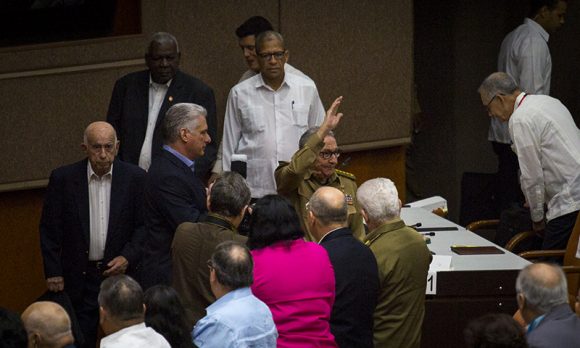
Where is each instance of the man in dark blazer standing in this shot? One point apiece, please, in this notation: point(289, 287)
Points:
point(141, 99)
point(173, 193)
point(355, 269)
point(92, 224)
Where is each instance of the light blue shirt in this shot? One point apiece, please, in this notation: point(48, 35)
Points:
point(238, 319)
point(181, 157)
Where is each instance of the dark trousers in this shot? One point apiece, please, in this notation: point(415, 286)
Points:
point(558, 231)
point(87, 308)
point(508, 189)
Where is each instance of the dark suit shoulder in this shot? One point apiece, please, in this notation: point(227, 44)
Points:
point(70, 169)
point(129, 168)
point(137, 76)
point(184, 78)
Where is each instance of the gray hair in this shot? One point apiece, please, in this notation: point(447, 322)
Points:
point(543, 286)
point(162, 37)
point(182, 115)
point(497, 83)
point(267, 36)
point(122, 297)
point(304, 137)
point(233, 265)
point(229, 194)
point(326, 211)
point(379, 199)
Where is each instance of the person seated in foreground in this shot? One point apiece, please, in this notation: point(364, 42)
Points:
point(495, 331)
point(48, 325)
point(122, 316)
point(164, 313)
point(542, 294)
point(292, 276)
point(237, 318)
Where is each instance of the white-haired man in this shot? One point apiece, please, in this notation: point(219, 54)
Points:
point(403, 260)
point(542, 294)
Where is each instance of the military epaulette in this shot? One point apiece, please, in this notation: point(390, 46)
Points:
point(346, 174)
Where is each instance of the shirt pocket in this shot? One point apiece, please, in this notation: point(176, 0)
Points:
point(253, 119)
point(300, 115)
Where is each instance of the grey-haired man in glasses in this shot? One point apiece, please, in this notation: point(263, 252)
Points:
point(314, 166)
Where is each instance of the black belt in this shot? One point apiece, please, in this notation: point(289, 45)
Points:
point(98, 265)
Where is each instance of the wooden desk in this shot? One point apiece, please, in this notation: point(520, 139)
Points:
point(475, 285)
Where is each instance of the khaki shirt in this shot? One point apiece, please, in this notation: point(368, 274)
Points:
point(403, 260)
point(296, 182)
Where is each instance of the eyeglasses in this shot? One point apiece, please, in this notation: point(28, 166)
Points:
point(267, 56)
point(491, 100)
point(327, 154)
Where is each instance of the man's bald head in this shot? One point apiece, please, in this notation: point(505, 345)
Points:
point(329, 206)
point(47, 324)
point(100, 145)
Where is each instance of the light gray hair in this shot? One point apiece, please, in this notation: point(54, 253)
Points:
point(304, 137)
point(162, 37)
point(497, 83)
point(541, 292)
point(182, 115)
point(267, 36)
point(379, 199)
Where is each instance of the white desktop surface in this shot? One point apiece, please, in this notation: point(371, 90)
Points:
point(442, 240)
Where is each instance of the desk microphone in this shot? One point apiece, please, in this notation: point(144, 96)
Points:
point(418, 224)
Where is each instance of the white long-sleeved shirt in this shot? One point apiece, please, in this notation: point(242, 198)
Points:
point(547, 143)
point(525, 56)
point(266, 125)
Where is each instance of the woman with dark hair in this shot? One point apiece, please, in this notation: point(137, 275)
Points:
point(164, 313)
point(293, 277)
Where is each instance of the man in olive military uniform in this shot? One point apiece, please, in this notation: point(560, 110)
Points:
point(313, 166)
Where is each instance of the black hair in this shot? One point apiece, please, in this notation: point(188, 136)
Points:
point(12, 332)
point(495, 331)
point(229, 194)
point(253, 26)
point(536, 5)
point(273, 219)
point(165, 314)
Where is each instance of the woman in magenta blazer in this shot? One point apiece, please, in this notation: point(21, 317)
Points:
point(293, 277)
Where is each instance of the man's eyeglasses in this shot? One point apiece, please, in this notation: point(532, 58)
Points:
point(327, 154)
point(490, 101)
point(267, 56)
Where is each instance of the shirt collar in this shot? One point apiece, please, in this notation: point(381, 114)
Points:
point(156, 85)
point(91, 172)
point(261, 83)
point(189, 163)
point(230, 296)
point(518, 100)
point(538, 28)
point(328, 233)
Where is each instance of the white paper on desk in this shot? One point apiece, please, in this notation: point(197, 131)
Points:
point(439, 263)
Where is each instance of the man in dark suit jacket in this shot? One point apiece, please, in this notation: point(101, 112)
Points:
point(141, 99)
point(355, 269)
point(173, 193)
point(92, 224)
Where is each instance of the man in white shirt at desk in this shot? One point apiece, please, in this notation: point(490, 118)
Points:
point(547, 143)
point(267, 114)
